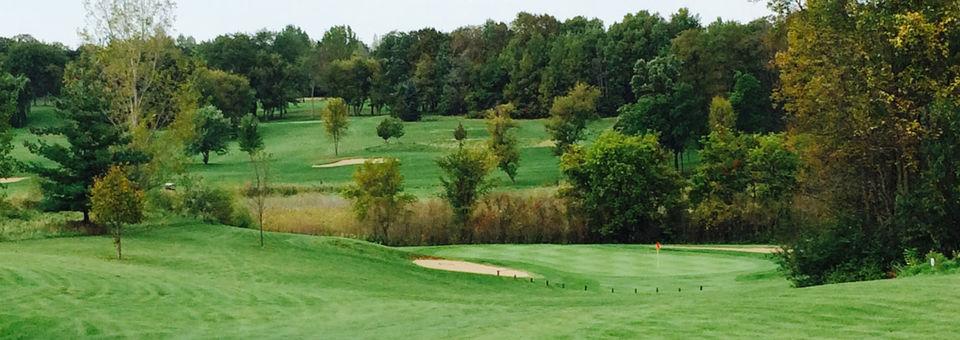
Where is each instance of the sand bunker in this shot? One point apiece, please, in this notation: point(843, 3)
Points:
point(11, 180)
point(346, 162)
point(546, 144)
point(469, 267)
point(757, 250)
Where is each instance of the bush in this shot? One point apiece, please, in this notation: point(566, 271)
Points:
point(915, 265)
point(842, 251)
point(213, 204)
point(390, 127)
point(624, 186)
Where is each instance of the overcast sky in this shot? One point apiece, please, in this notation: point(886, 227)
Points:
point(58, 20)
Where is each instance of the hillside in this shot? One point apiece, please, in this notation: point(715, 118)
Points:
point(192, 280)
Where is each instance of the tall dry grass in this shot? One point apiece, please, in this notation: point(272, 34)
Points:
point(527, 217)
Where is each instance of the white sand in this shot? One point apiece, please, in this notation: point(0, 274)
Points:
point(469, 267)
point(757, 250)
point(11, 180)
point(346, 162)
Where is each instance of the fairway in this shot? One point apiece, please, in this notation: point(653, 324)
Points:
point(185, 279)
point(299, 148)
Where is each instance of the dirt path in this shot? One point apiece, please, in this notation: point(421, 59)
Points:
point(756, 250)
point(469, 267)
point(11, 180)
point(345, 162)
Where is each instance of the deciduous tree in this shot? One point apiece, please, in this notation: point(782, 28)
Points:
point(116, 201)
point(569, 115)
point(336, 121)
point(378, 195)
point(503, 143)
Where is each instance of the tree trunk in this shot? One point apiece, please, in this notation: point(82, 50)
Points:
point(116, 240)
point(206, 157)
point(86, 217)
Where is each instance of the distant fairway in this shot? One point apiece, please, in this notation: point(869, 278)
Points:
point(193, 280)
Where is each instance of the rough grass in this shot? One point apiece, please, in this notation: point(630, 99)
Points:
point(192, 280)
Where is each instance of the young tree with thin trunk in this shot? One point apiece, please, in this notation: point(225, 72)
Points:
point(116, 201)
point(252, 143)
point(260, 161)
point(335, 121)
point(503, 143)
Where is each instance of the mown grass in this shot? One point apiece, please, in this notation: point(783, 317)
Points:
point(299, 141)
point(191, 280)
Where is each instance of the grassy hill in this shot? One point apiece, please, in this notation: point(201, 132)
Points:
point(191, 280)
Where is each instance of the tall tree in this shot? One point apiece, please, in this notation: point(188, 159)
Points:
point(229, 92)
point(865, 79)
point(92, 142)
point(42, 64)
point(133, 34)
point(667, 106)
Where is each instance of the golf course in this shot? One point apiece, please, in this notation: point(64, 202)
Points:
point(189, 280)
point(288, 169)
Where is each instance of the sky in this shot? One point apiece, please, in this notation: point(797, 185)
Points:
point(59, 20)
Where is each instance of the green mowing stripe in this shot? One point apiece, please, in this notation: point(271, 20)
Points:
point(185, 279)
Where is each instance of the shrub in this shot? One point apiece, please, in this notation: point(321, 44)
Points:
point(465, 180)
point(378, 196)
point(213, 204)
point(390, 127)
point(624, 186)
point(840, 251)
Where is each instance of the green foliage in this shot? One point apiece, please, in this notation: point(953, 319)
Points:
point(10, 88)
point(41, 64)
point(503, 143)
point(624, 185)
point(834, 253)
point(866, 81)
point(755, 114)
point(351, 79)
point(115, 201)
point(231, 93)
point(212, 204)
point(667, 106)
point(569, 115)
point(460, 134)
point(405, 103)
point(464, 181)
point(93, 142)
point(335, 121)
point(248, 135)
point(743, 187)
point(390, 127)
point(212, 134)
point(378, 196)
point(722, 116)
point(932, 263)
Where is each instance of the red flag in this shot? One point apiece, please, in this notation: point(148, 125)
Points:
point(658, 246)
